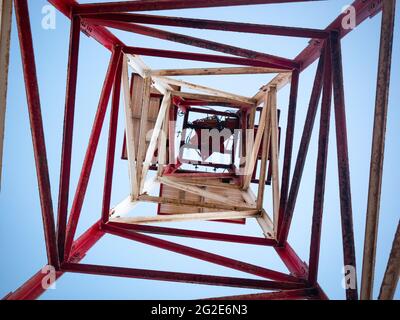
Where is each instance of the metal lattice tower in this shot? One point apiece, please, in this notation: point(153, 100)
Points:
point(249, 133)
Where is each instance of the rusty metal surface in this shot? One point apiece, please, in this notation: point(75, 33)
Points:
point(392, 274)
point(346, 210)
point(378, 149)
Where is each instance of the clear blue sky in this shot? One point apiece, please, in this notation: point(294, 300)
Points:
point(21, 236)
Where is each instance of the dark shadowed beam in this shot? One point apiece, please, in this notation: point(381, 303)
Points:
point(346, 210)
point(299, 294)
point(286, 217)
point(66, 153)
point(322, 160)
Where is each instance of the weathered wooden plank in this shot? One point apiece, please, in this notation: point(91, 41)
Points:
point(215, 71)
point(212, 98)
point(252, 155)
point(188, 217)
point(212, 91)
point(5, 32)
point(130, 145)
point(275, 156)
point(155, 135)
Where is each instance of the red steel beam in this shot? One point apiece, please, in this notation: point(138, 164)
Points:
point(112, 138)
point(322, 160)
point(66, 154)
point(298, 294)
point(173, 114)
point(196, 42)
point(179, 277)
point(292, 261)
point(33, 289)
point(149, 5)
point(296, 266)
point(286, 217)
point(36, 124)
point(202, 255)
point(212, 25)
point(349, 253)
point(195, 234)
point(196, 57)
point(91, 151)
